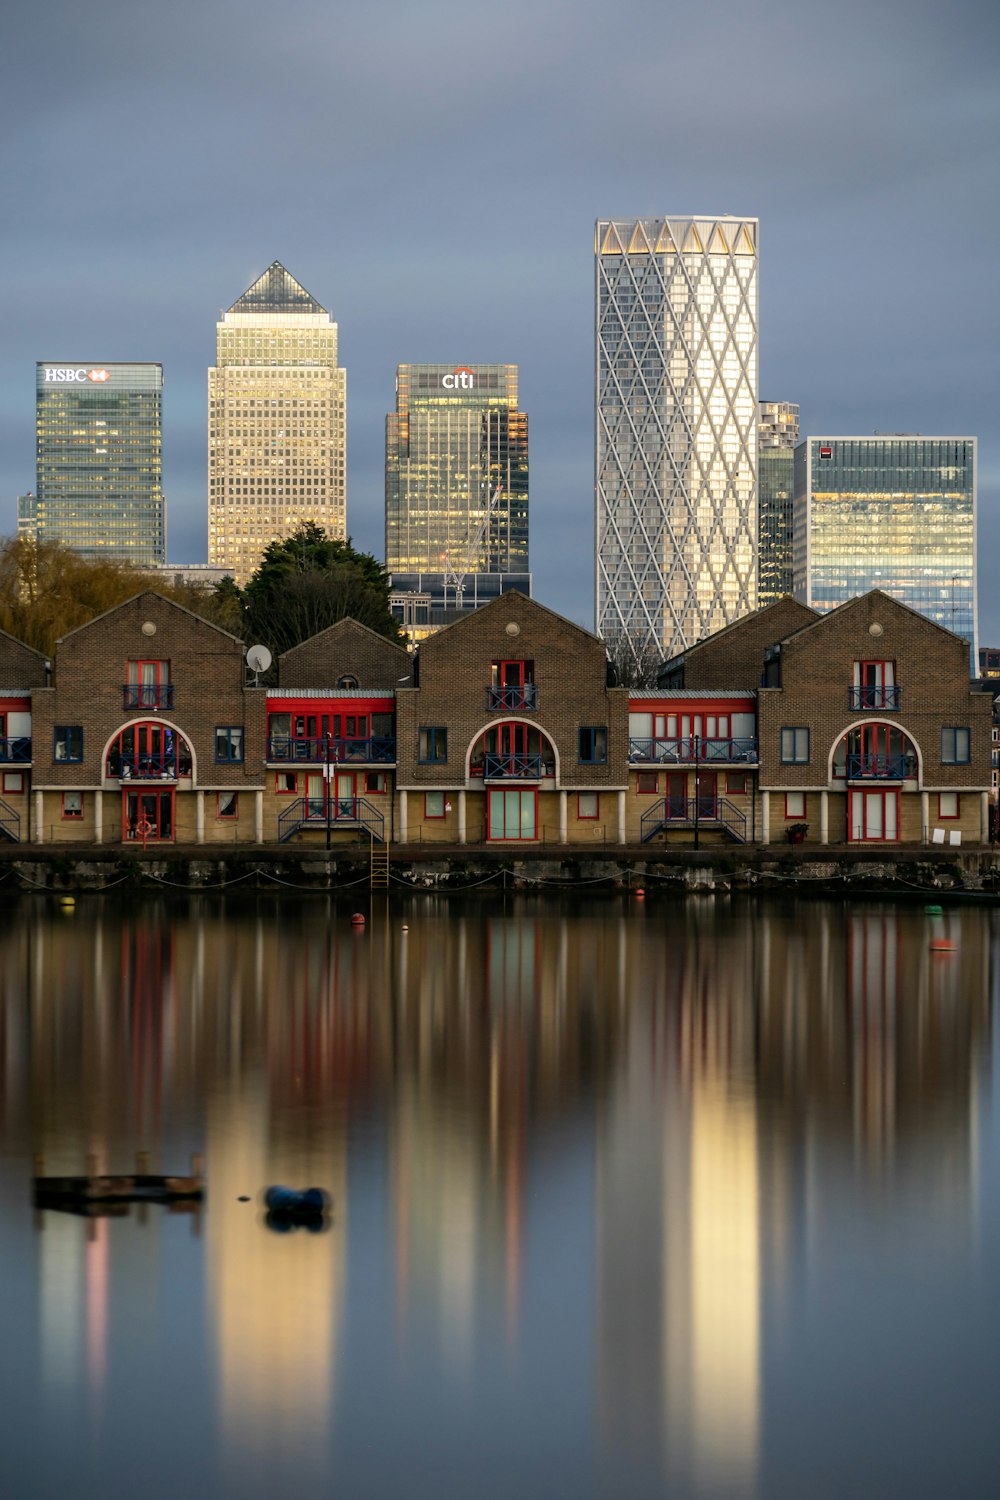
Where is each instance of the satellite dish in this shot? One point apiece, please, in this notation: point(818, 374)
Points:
point(258, 658)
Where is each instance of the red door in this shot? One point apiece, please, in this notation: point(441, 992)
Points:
point(708, 794)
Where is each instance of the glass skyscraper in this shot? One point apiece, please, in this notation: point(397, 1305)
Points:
point(98, 486)
point(277, 426)
point(777, 435)
point(676, 453)
point(895, 511)
point(456, 485)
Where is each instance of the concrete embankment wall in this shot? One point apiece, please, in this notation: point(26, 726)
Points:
point(860, 872)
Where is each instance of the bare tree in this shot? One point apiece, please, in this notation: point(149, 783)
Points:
point(633, 661)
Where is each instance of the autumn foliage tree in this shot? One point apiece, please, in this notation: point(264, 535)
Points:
point(47, 590)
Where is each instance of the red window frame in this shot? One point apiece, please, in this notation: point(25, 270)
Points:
point(585, 816)
point(950, 817)
point(444, 811)
point(866, 837)
point(511, 838)
point(798, 816)
point(286, 791)
point(8, 779)
point(376, 791)
point(736, 783)
point(227, 817)
point(72, 817)
point(642, 783)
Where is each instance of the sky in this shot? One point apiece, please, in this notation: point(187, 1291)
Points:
point(431, 170)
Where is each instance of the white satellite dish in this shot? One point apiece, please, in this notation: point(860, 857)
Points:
point(258, 659)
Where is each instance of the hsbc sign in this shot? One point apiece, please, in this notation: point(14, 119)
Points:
point(62, 374)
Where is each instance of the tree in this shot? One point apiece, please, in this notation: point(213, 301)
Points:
point(47, 590)
point(633, 661)
point(307, 582)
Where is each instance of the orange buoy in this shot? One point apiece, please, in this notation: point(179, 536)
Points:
point(639, 893)
point(358, 919)
point(938, 945)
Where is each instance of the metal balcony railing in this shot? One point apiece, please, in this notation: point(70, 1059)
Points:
point(142, 766)
point(139, 695)
point(340, 812)
point(881, 767)
point(873, 697)
point(525, 696)
point(734, 751)
point(15, 750)
point(514, 768)
point(379, 750)
point(711, 812)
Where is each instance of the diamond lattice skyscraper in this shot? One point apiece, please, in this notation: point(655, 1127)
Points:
point(276, 420)
point(676, 455)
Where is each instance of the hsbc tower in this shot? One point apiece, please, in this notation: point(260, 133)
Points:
point(98, 486)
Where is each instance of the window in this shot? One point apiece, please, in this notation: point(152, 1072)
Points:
point(72, 804)
point(432, 744)
point(434, 804)
point(286, 783)
point(375, 782)
point(227, 805)
point(593, 744)
point(587, 804)
point(13, 781)
point(795, 804)
point(647, 783)
point(956, 746)
point(347, 681)
point(948, 805)
point(794, 746)
point(68, 742)
point(736, 783)
point(229, 743)
point(148, 685)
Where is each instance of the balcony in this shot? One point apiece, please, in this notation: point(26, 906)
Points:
point(514, 768)
point(15, 751)
point(377, 750)
point(881, 767)
point(524, 696)
point(681, 751)
point(147, 695)
point(143, 766)
point(873, 697)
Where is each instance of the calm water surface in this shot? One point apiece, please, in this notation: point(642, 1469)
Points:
point(686, 1199)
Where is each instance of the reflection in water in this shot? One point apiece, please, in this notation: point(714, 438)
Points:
point(744, 1082)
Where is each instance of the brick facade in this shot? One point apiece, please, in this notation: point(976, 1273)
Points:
point(734, 656)
point(345, 649)
point(20, 665)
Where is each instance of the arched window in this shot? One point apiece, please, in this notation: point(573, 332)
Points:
point(875, 751)
point(512, 751)
point(149, 752)
point(347, 681)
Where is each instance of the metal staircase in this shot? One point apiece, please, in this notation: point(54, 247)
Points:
point(10, 823)
point(344, 812)
point(719, 813)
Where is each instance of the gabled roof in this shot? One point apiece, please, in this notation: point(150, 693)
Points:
point(861, 599)
point(499, 603)
point(741, 624)
point(160, 599)
point(276, 291)
point(343, 627)
point(6, 635)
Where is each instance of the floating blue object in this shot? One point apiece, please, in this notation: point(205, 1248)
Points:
point(286, 1200)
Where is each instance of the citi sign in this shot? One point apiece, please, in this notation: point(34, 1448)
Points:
point(461, 379)
point(61, 374)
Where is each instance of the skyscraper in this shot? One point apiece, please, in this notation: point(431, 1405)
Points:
point(894, 511)
point(98, 451)
point(456, 485)
point(676, 455)
point(777, 435)
point(277, 434)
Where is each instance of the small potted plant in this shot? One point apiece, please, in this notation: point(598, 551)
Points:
point(797, 832)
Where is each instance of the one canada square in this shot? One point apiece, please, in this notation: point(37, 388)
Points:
point(676, 452)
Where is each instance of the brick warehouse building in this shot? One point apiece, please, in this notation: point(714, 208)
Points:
point(502, 729)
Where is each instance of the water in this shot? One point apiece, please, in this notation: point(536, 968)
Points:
point(694, 1199)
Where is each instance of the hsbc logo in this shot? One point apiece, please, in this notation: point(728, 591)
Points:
point(461, 379)
point(69, 373)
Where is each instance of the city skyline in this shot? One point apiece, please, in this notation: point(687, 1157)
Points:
point(356, 170)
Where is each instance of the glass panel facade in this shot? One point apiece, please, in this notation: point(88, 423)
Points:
point(777, 435)
point(276, 419)
point(676, 448)
point(456, 474)
point(98, 456)
point(892, 512)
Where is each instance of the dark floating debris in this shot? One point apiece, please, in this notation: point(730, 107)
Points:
point(292, 1208)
